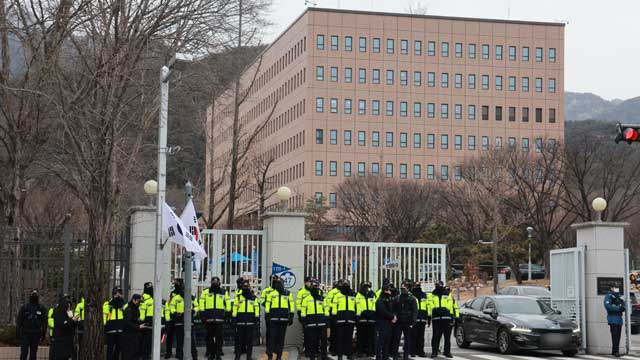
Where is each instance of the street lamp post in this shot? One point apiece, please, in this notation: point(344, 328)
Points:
point(283, 195)
point(529, 236)
point(188, 268)
point(599, 205)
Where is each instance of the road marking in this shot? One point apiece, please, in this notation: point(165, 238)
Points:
point(489, 357)
point(592, 357)
point(527, 357)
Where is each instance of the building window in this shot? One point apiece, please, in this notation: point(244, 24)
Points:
point(333, 137)
point(498, 113)
point(361, 169)
point(471, 142)
point(498, 52)
point(333, 168)
point(375, 169)
point(458, 81)
point(458, 111)
point(552, 85)
point(485, 82)
point(444, 172)
point(472, 81)
point(417, 78)
point(404, 78)
point(431, 48)
point(389, 169)
point(457, 142)
point(511, 143)
point(431, 110)
point(403, 108)
point(485, 143)
point(485, 112)
point(525, 84)
point(458, 50)
point(319, 136)
point(417, 109)
point(375, 107)
point(512, 83)
point(525, 114)
point(552, 55)
point(334, 73)
point(362, 76)
point(333, 202)
point(417, 140)
point(389, 110)
point(319, 104)
point(347, 106)
point(362, 107)
point(457, 173)
point(348, 43)
point(389, 77)
point(444, 111)
point(472, 51)
point(404, 47)
point(334, 42)
point(431, 79)
point(525, 144)
point(444, 141)
point(416, 171)
point(430, 172)
point(389, 138)
point(431, 141)
point(512, 53)
point(417, 47)
point(525, 53)
point(485, 51)
point(362, 44)
point(444, 80)
point(347, 137)
point(538, 84)
point(512, 113)
point(538, 115)
point(390, 46)
point(498, 82)
point(444, 49)
point(472, 112)
point(538, 54)
point(320, 73)
point(552, 115)
point(403, 171)
point(376, 45)
point(498, 142)
point(375, 77)
point(375, 139)
point(403, 140)
point(333, 105)
point(348, 75)
point(320, 42)
point(538, 145)
point(319, 198)
point(551, 144)
point(318, 167)
point(347, 169)
point(362, 138)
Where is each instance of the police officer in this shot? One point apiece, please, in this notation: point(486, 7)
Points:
point(328, 300)
point(405, 308)
point(214, 307)
point(78, 312)
point(344, 312)
point(615, 307)
point(302, 293)
point(385, 321)
point(133, 325)
point(170, 317)
point(365, 312)
point(167, 326)
point(314, 316)
point(443, 312)
point(146, 316)
point(177, 315)
point(263, 299)
point(246, 317)
point(280, 307)
point(31, 326)
point(423, 320)
point(113, 319)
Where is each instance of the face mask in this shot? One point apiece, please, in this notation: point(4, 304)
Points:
point(34, 298)
point(615, 290)
point(404, 291)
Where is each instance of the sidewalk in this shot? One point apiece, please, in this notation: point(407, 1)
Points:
point(289, 353)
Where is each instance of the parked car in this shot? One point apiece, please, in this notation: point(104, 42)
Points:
point(516, 322)
point(635, 313)
point(537, 292)
point(537, 271)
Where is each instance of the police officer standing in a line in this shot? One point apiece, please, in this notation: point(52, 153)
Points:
point(169, 315)
point(366, 314)
point(302, 293)
point(79, 314)
point(405, 308)
point(215, 306)
point(423, 320)
point(615, 307)
point(385, 321)
point(344, 311)
point(31, 326)
point(280, 306)
point(314, 316)
point(177, 316)
point(328, 303)
point(443, 313)
point(263, 299)
point(131, 336)
point(113, 319)
point(146, 316)
point(246, 317)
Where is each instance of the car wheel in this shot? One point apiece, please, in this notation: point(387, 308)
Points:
point(570, 353)
point(505, 346)
point(460, 338)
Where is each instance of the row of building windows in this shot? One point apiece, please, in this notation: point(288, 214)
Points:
point(432, 49)
point(509, 83)
point(278, 65)
point(417, 140)
point(431, 108)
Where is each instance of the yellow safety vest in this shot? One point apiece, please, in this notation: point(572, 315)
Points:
point(443, 307)
point(344, 308)
point(365, 308)
point(146, 308)
point(79, 310)
point(246, 312)
point(302, 293)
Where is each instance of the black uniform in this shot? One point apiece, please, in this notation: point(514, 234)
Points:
point(384, 325)
point(404, 306)
point(421, 323)
point(63, 331)
point(131, 336)
point(31, 327)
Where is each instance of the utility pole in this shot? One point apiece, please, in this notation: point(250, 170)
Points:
point(494, 242)
point(529, 233)
point(188, 267)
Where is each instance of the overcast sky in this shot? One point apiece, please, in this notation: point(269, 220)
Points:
point(602, 38)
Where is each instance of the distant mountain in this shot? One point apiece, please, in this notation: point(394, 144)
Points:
point(588, 106)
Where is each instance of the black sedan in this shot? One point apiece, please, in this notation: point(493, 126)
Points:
point(515, 322)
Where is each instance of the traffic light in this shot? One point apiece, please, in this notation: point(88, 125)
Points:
point(627, 132)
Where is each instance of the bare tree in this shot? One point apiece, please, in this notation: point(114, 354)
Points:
point(417, 8)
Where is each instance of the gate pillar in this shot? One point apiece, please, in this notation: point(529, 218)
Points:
point(604, 265)
point(285, 257)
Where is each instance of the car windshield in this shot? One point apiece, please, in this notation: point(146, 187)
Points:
point(525, 306)
point(536, 291)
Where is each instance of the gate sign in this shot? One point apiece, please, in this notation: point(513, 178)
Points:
point(285, 273)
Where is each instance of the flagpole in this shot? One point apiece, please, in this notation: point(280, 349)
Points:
point(188, 266)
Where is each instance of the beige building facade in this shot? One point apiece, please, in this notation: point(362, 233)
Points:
point(352, 93)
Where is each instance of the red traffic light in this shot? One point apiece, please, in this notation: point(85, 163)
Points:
point(630, 134)
point(627, 132)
